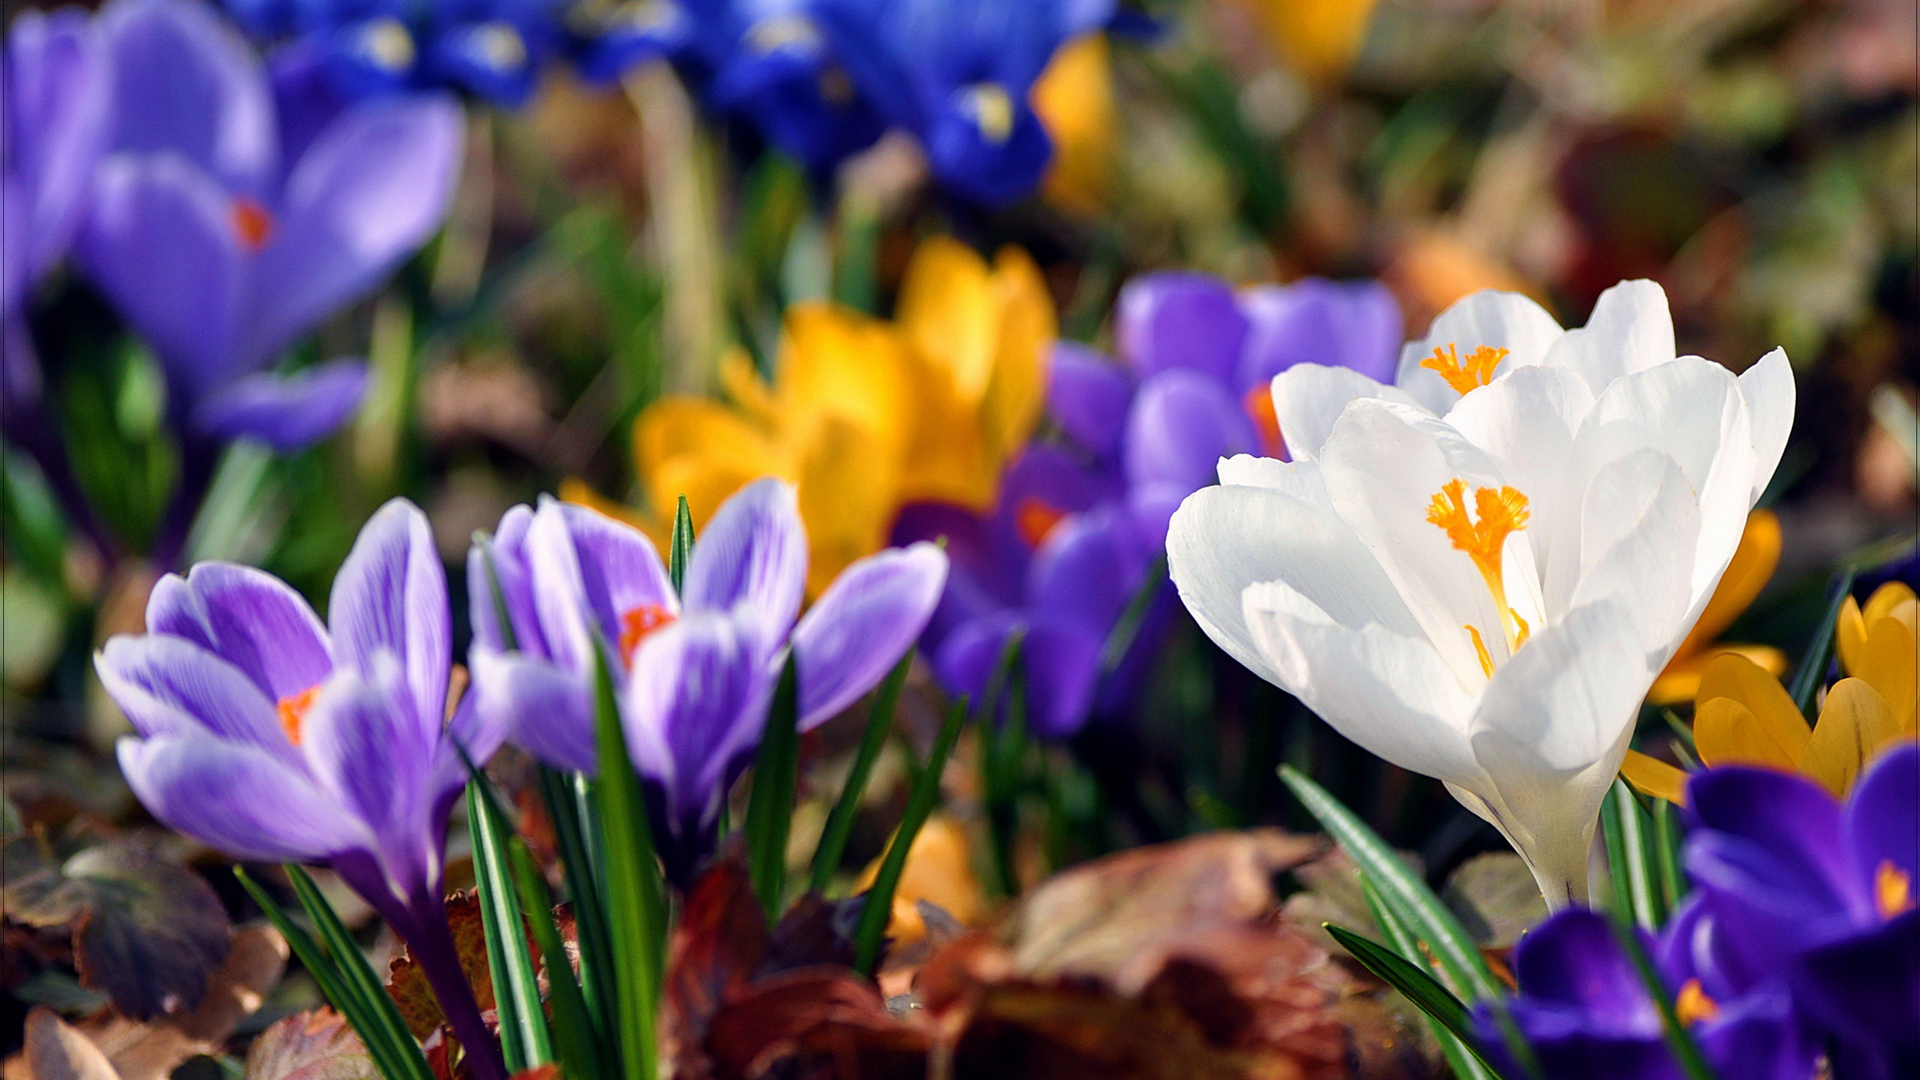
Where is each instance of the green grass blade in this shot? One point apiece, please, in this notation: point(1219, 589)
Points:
point(680, 549)
point(1813, 665)
point(870, 932)
point(833, 838)
point(1463, 1054)
point(1418, 986)
point(578, 838)
point(574, 1034)
point(776, 767)
point(1002, 749)
point(1630, 857)
point(1693, 1063)
point(356, 975)
point(516, 983)
point(1666, 851)
point(636, 900)
point(1120, 639)
point(1463, 969)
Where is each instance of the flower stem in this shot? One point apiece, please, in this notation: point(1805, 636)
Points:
point(430, 941)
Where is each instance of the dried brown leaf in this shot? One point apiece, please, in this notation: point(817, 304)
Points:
point(57, 1051)
point(408, 984)
point(316, 1045)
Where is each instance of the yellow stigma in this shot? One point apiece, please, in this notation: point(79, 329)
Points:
point(1501, 512)
point(991, 109)
point(1474, 372)
point(1892, 889)
point(388, 44)
point(293, 711)
point(1694, 1005)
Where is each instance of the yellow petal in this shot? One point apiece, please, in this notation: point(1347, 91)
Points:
point(939, 870)
point(950, 314)
point(680, 426)
point(742, 382)
point(836, 362)
point(849, 490)
point(1655, 777)
point(1850, 636)
point(1752, 567)
point(1681, 681)
point(1885, 599)
point(1027, 331)
point(1733, 676)
point(1074, 99)
point(947, 458)
point(1855, 723)
point(1726, 732)
point(1890, 662)
point(1317, 38)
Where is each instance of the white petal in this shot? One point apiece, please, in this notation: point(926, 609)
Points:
point(1224, 539)
point(1630, 330)
point(1639, 524)
point(1770, 393)
point(1300, 479)
point(1389, 692)
point(1308, 398)
point(1501, 320)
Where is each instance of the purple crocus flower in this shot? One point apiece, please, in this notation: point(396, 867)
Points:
point(695, 672)
point(269, 736)
point(1081, 519)
point(1800, 939)
point(226, 223)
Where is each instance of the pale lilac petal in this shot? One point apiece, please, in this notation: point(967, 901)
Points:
point(239, 799)
point(752, 557)
point(391, 595)
point(250, 619)
point(619, 567)
point(1180, 320)
point(366, 752)
point(861, 626)
point(373, 187)
point(545, 710)
point(160, 242)
point(1087, 395)
point(170, 686)
point(286, 412)
point(58, 107)
point(185, 80)
point(508, 572)
point(1355, 325)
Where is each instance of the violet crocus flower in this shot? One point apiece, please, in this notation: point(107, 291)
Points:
point(226, 223)
point(271, 737)
point(1082, 519)
point(695, 672)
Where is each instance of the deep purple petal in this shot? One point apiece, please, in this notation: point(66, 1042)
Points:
point(861, 626)
point(1060, 662)
point(1089, 569)
point(1774, 827)
point(304, 99)
point(1693, 946)
point(286, 412)
point(238, 799)
point(981, 577)
point(1882, 820)
point(1757, 1036)
point(160, 242)
point(544, 709)
point(1182, 320)
point(373, 187)
point(170, 686)
point(1574, 959)
point(187, 82)
point(250, 619)
point(1057, 480)
point(1568, 1045)
point(1087, 394)
point(366, 751)
point(1355, 325)
point(391, 596)
point(1865, 987)
point(752, 557)
point(1181, 425)
point(695, 704)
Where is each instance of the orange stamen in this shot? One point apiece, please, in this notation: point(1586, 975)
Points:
point(636, 624)
point(1892, 889)
point(1693, 1004)
point(1500, 512)
point(1480, 650)
point(1471, 374)
point(251, 223)
point(1259, 406)
point(293, 711)
point(1036, 518)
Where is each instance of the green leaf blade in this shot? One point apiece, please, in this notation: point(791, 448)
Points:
point(833, 838)
point(870, 932)
point(636, 899)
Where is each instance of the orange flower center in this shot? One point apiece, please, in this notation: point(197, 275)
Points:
point(1892, 889)
point(1497, 514)
point(1693, 1004)
point(1036, 518)
point(1469, 374)
point(1259, 406)
point(251, 223)
point(293, 711)
point(637, 624)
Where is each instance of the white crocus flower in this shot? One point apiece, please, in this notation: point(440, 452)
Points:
point(1482, 589)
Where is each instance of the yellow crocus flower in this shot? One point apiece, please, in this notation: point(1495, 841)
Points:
point(1317, 38)
point(1074, 99)
point(1743, 715)
point(1752, 567)
point(864, 415)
